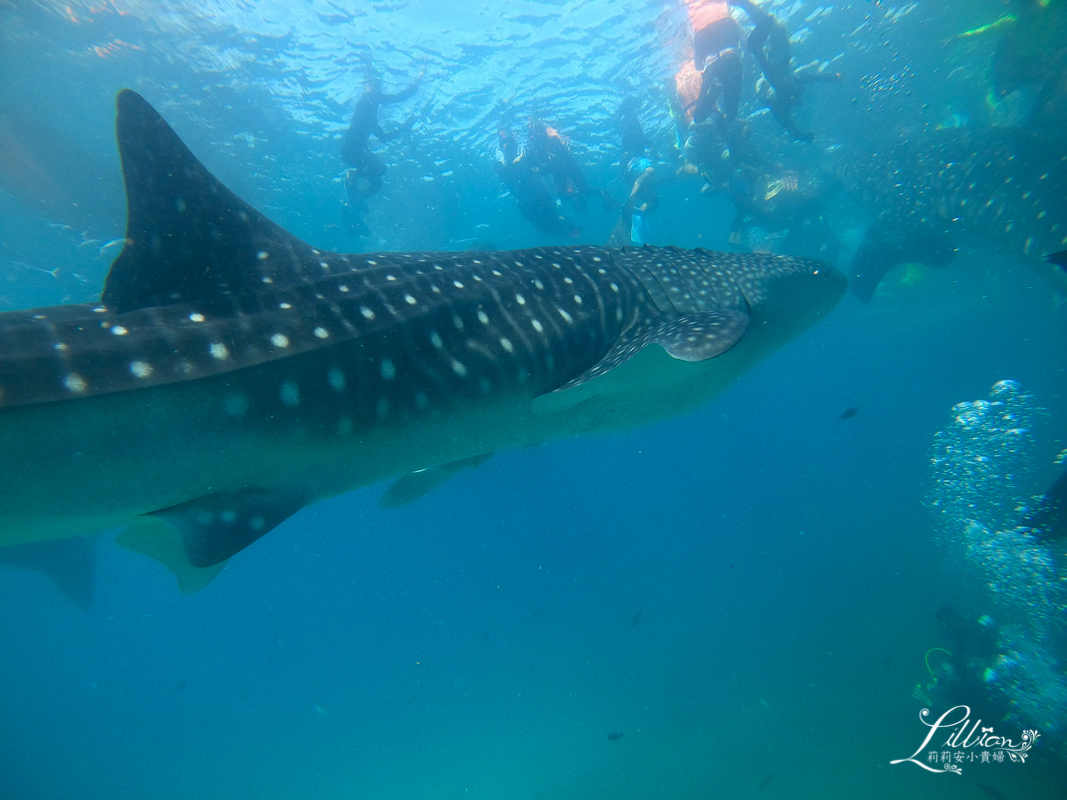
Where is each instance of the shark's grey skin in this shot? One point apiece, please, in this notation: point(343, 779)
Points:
point(232, 374)
point(933, 190)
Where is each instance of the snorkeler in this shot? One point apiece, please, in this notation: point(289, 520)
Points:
point(717, 56)
point(528, 188)
point(548, 153)
point(968, 669)
point(781, 86)
point(365, 176)
point(631, 228)
point(634, 140)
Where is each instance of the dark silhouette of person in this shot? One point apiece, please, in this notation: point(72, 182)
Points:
point(633, 139)
point(365, 176)
point(528, 186)
point(717, 56)
point(781, 87)
point(548, 153)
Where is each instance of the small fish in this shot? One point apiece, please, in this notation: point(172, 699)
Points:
point(614, 736)
point(849, 413)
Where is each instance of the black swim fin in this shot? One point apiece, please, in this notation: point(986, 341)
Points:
point(1048, 522)
point(352, 221)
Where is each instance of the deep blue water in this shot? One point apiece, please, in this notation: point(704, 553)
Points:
point(746, 592)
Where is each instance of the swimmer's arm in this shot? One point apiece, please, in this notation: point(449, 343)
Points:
point(403, 94)
point(403, 127)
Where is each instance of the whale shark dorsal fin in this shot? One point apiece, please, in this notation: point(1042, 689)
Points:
point(188, 237)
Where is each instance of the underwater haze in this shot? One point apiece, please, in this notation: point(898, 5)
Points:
point(752, 599)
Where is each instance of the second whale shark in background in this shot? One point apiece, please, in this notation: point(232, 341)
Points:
point(936, 189)
point(232, 374)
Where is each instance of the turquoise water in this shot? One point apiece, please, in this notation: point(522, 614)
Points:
point(745, 593)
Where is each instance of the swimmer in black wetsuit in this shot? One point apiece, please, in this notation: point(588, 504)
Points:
point(781, 86)
point(528, 188)
point(634, 140)
point(365, 176)
point(549, 154)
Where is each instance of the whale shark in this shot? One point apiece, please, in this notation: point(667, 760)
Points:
point(232, 374)
point(940, 188)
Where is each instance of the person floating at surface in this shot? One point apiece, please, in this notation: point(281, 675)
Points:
point(528, 188)
point(641, 167)
point(634, 140)
point(781, 86)
point(632, 225)
point(717, 56)
point(548, 153)
point(365, 176)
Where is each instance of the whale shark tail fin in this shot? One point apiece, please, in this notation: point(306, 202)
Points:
point(899, 237)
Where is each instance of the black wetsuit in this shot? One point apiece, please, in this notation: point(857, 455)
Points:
point(769, 44)
point(528, 188)
point(548, 154)
point(634, 139)
point(355, 149)
point(1048, 520)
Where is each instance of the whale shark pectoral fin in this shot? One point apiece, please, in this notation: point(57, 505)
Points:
point(194, 539)
point(415, 485)
point(152, 537)
point(702, 336)
point(899, 237)
point(693, 337)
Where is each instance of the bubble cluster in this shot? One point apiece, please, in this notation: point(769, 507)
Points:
point(978, 459)
point(978, 464)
